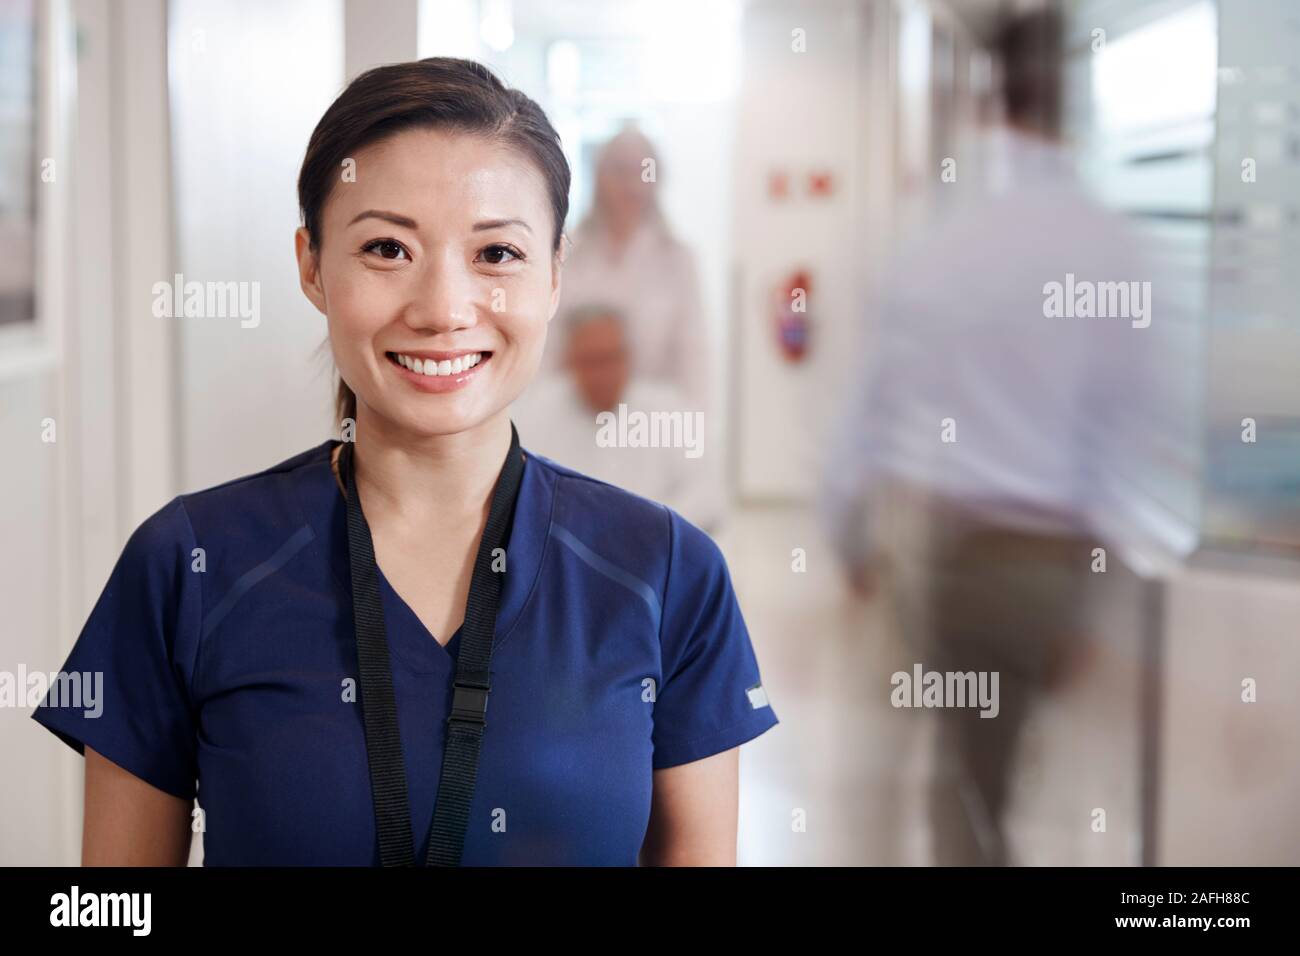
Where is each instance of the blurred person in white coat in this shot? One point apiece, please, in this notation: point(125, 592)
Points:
point(1001, 436)
point(625, 256)
point(571, 417)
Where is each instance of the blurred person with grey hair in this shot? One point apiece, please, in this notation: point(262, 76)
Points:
point(572, 414)
point(1000, 435)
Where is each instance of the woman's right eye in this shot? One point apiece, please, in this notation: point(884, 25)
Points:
point(386, 248)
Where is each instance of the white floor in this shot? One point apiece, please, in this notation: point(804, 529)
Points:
point(842, 779)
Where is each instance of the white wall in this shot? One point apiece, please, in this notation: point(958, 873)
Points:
point(249, 80)
point(33, 804)
point(105, 380)
point(33, 800)
point(799, 112)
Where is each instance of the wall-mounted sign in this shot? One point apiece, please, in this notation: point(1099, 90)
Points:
point(816, 184)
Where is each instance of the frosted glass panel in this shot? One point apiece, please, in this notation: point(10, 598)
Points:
point(1253, 486)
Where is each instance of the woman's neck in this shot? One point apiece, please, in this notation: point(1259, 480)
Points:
point(429, 481)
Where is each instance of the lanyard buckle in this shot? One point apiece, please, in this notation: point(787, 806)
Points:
point(469, 704)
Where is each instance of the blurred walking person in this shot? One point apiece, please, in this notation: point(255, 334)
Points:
point(1013, 437)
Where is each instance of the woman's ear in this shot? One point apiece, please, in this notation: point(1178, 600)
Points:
point(309, 269)
point(557, 276)
point(555, 295)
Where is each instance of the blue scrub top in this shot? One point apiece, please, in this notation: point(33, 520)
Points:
point(619, 649)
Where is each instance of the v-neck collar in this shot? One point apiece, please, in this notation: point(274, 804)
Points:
point(408, 638)
point(395, 599)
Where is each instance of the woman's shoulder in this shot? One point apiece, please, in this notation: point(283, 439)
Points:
point(605, 502)
point(259, 491)
point(263, 505)
point(594, 509)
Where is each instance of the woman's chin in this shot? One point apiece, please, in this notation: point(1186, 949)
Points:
point(450, 419)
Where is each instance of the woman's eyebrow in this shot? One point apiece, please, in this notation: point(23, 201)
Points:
point(409, 223)
point(392, 217)
point(497, 223)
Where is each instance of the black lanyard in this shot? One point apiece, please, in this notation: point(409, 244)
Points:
point(467, 719)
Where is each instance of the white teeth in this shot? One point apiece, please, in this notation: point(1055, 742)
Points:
point(462, 363)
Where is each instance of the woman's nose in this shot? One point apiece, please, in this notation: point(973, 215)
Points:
point(444, 299)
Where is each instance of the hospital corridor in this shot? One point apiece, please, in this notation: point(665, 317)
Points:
point(498, 433)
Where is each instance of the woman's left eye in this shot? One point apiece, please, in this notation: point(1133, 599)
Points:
point(387, 249)
point(497, 250)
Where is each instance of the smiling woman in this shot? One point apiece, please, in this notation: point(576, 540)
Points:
point(407, 147)
point(321, 678)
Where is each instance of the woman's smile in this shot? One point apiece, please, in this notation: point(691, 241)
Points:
point(438, 371)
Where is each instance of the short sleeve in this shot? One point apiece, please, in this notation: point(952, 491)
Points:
point(712, 696)
point(124, 689)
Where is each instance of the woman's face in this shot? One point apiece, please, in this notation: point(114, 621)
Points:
point(435, 272)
